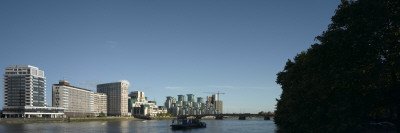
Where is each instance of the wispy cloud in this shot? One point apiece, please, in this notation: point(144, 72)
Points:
point(253, 87)
point(112, 44)
point(174, 88)
point(91, 83)
point(221, 86)
point(234, 87)
point(144, 88)
point(216, 87)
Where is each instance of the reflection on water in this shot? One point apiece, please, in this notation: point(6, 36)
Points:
point(153, 126)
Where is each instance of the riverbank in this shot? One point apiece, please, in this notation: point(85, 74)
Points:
point(86, 119)
point(141, 126)
point(60, 120)
point(162, 118)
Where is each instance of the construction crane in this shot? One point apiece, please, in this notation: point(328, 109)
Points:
point(215, 93)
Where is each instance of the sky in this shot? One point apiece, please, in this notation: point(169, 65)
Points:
point(164, 48)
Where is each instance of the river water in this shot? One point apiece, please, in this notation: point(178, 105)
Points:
point(250, 125)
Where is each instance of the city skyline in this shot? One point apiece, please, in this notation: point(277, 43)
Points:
point(164, 48)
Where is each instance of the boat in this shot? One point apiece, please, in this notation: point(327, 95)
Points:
point(187, 124)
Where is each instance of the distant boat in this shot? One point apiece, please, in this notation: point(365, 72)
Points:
point(187, 124)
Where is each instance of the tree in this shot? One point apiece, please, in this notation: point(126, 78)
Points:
point(164, 114)
point(349, 78)
point(261, 113)
point(102, 114)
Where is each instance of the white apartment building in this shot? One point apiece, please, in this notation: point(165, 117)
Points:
point(100, 103)
point(78, 102)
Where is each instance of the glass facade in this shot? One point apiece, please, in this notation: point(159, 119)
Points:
point(190, 97)
point(15, 90)
point(38, 91)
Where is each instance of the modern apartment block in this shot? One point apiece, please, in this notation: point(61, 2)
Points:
point(190, 97)
point(219, 106)
point(78, 102)
point(117, 97)
point(190, 107)
point(100, 103)
point(170, 103)
point(217, 103)
point(25, 93)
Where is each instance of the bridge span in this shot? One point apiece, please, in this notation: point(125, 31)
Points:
point(221, 116)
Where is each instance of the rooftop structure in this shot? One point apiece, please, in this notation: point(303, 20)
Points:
point(190, 97)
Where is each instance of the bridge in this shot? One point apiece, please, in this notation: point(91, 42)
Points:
point(221, 116)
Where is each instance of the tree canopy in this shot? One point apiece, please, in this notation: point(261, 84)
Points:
point(348, 79)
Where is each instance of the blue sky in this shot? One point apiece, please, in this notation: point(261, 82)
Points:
point(164, 48)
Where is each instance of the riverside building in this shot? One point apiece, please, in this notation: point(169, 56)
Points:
point(100, 103)
point(190, 107)
point(139, 106)
point(216, 102)
point(25, 93)
point(78, 102)
point(117, 97)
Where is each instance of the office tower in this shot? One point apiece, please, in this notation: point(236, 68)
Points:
point(78, 102)
point(117, 97)
point(25, 93)
point(24, 86)
point(190, 97)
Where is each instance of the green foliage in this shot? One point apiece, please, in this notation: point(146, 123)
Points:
point(350, 78)
point(265, 113)
point(163, 114)
point(102, 114)
point(262, 113)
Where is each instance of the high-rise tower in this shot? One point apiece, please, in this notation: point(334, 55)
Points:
point(25, 93)
point(181, 98)
point(190, 97)
point(200, 100)
point(24, 86)
point(117, 97)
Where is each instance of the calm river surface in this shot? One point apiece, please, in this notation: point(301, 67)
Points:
point(254, 125)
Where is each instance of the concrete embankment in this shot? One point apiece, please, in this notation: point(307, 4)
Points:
point(55, 120)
